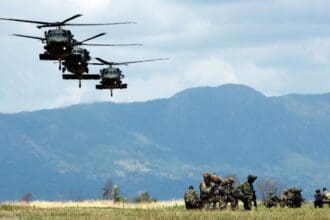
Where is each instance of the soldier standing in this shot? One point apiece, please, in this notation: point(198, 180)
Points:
point(318, 201)
point(191, 199)
point(324, 193)
point(247, 193)
point(206, 190)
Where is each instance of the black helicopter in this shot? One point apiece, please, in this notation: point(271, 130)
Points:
point(59, 42)
point(77, 61)
point(111, 77)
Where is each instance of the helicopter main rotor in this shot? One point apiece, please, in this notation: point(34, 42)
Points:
point(44, 24)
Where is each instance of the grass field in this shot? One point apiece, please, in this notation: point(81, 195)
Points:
point(159, 210)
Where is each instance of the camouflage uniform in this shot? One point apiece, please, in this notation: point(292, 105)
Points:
point(247, 193)
point(228, 195)
point(206, 190)
point(272, 200)
point(215, 190)
point(284, 200)
point(292, 198)
point(318, 201)
point(191, 199)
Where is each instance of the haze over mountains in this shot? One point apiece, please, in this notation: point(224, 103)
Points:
point(164, 145)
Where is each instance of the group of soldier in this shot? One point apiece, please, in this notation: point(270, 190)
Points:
point(215, 191)
point(291, 198)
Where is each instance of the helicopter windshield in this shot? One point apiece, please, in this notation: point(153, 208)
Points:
point(57, 33)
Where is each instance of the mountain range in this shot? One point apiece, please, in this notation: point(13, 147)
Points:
point(164, 145)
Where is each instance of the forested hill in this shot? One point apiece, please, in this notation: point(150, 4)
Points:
point(164, 145)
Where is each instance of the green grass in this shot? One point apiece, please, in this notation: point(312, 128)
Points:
point(32, 212)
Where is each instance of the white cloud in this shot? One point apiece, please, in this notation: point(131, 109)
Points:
point(132, 165)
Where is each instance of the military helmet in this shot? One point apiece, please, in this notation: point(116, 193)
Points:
point(324, 188)
point(231, 179)
point(318, 191)
point(251, 178)
point(207, 175)
point(215, 178)
point(191, 187)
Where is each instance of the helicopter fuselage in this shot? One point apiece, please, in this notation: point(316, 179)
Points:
point(77, 61)
point(110, 75)
point(111, 78)
point(59, 44)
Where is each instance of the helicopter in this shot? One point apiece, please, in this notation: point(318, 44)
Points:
point(111, 77)
point(77, 61)
point(59, 42)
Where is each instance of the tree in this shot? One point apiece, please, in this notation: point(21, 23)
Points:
point(107, 189)
point(269, 185)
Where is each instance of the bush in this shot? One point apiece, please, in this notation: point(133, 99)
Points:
point(144, 197)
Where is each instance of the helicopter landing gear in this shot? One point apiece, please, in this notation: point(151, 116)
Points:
point(59, 64)
point(79, 83)
point(111, 94)
point(63, 70)
point(87, 70)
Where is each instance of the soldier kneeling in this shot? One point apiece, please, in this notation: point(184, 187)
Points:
point(272, 200)
point(191, 199)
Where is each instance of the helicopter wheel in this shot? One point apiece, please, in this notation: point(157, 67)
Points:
point(63, 69)
point(79, 83)
point(60, 65)
point(111, 93)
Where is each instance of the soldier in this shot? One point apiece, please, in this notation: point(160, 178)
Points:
point(247, 193)
point(292, 198)
point(318, 201)
point(324, 193)
point(206, 190)
point(326, 196)
point(191, 199)
point(271, 200)
point(284, 201)
point(228, 194)
point(215, 190)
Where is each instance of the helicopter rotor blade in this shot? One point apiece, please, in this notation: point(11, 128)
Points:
point(96, 64)
point(112, 45)
point(99, 24)
point(27, 36)
point(91, 38)
point(43, 24)
point(126, 63)
point(58, 24)
point(25, 21)
point(71, 18)
point(104, 62)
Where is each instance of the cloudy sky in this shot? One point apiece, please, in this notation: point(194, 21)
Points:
point(275, 46)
